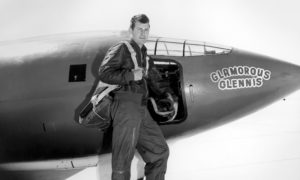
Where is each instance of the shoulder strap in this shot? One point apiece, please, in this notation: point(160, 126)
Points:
point(133, 56)
point(132, 52)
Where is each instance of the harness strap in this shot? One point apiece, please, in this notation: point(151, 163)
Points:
point(98, 97)
point(133, 57)
point(132, 52)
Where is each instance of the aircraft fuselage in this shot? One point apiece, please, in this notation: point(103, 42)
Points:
point(45, 83)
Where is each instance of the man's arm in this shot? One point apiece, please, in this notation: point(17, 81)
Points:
point(112, 70)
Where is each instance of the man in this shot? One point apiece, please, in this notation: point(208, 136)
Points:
point(133, 127)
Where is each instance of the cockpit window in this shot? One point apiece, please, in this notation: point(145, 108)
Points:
point(169, 48)
point(173, 47)
point(193, 50)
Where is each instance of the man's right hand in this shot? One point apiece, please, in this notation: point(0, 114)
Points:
point(138, 74)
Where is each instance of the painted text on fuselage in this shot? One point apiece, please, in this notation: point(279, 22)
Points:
point(240, 77)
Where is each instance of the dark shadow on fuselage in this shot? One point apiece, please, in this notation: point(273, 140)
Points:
point(106, 138)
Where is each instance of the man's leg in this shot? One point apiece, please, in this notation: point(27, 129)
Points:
point(126, 126)
point(153, 148)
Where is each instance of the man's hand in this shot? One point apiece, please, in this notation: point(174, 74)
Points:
point(138, 74)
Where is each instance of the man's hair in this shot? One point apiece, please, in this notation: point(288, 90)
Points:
point(142, 18)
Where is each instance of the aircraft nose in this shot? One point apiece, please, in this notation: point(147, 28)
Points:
point(284, 76)
point(279, 77)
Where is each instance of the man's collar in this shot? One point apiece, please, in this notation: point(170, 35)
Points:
point(135, 45)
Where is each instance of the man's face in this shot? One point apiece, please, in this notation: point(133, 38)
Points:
point(140, 33)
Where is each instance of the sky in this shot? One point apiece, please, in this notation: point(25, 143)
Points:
point(260, 146)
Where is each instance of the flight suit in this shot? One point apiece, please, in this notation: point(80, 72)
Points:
point(133, 127)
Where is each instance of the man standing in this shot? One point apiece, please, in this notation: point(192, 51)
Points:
point(133, 127)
